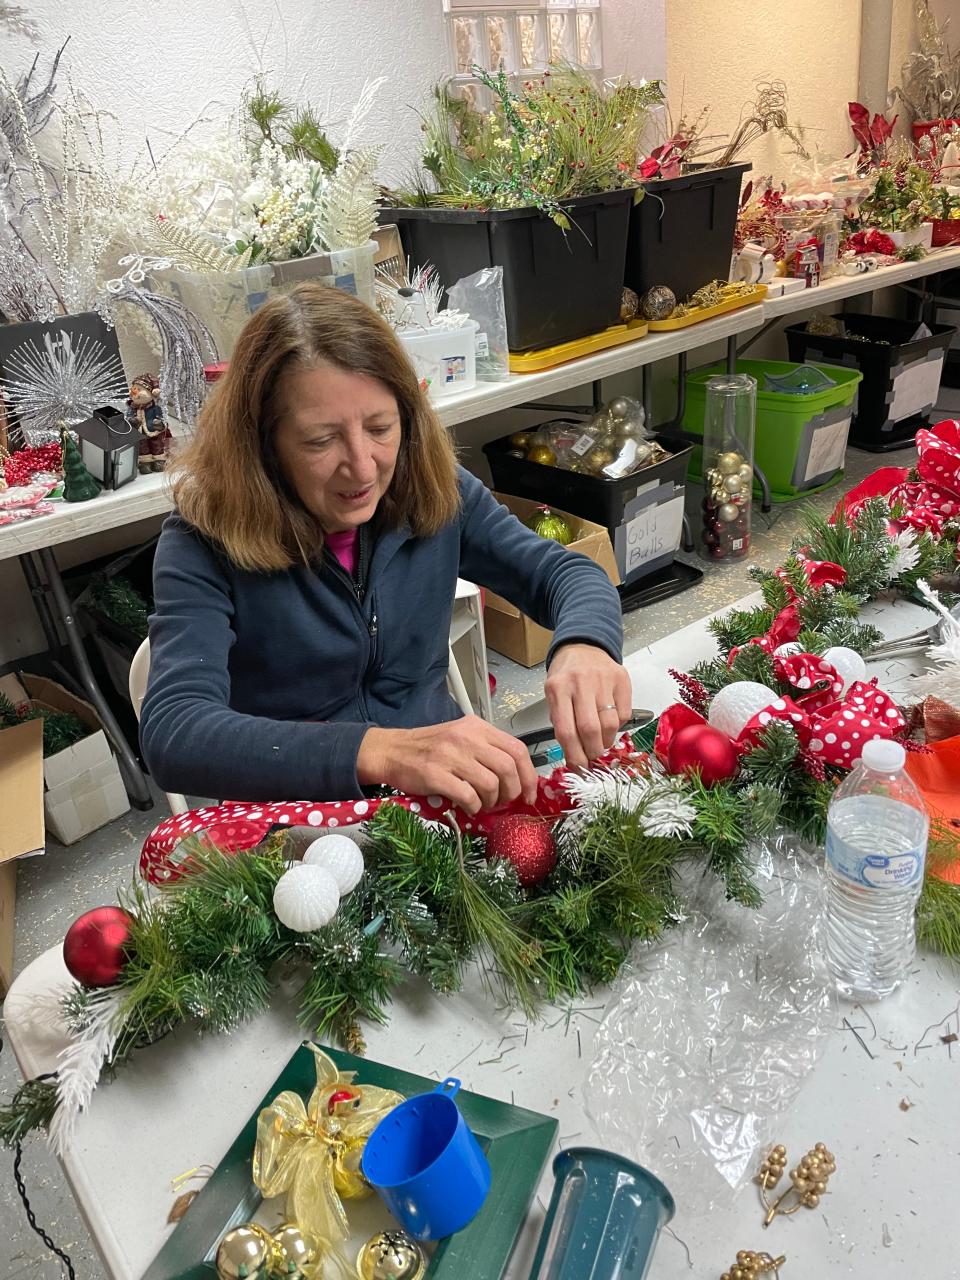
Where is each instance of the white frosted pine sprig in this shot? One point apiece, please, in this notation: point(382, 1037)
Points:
point(943, 681)
point(81, 1064)
point(904, 556)
point(60, 381)
point(663, 807)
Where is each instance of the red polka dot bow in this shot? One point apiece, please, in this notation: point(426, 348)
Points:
point(234, 825)
point(927, 502)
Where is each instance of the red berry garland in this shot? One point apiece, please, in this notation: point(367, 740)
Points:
point(22, 466)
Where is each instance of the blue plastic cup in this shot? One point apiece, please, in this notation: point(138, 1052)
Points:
point(427, 1166)
point(604, 1218)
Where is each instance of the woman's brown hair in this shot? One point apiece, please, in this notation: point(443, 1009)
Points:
point(229, 483)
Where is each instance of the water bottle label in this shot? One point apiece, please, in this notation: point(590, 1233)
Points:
point(874, 870)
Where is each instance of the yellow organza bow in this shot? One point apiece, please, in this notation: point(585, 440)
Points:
point(313, 1152)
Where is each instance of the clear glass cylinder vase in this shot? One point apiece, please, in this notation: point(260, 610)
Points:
point(728, 435)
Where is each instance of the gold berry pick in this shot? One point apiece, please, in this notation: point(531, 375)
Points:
point(751, 1266)
point(808, 1181)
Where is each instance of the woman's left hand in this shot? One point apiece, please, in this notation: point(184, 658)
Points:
point(590, 696)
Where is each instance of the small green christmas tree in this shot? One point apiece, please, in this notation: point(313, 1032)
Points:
point(78, 484)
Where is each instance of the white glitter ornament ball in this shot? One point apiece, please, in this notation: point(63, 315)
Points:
point(306, 898)
point(788, 650)
point(849, 665)
point(736, 704)
point(340, 856)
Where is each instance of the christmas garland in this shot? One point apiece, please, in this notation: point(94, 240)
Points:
point(551, 907)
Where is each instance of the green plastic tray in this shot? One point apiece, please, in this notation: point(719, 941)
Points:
point(786, 425)
point(516, 1142)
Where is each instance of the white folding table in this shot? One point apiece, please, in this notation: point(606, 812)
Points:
point(888, 1107)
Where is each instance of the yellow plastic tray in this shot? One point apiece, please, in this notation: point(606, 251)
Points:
point(755, 295)
point(548, 357)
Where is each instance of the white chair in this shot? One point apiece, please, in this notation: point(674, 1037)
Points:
point(137, 685)
point(466, 632)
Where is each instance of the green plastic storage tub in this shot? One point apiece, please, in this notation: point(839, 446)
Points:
point(801, 439)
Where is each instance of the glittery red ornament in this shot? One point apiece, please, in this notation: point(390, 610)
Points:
point(94, 948)
point(527, 843)
point(702, 748)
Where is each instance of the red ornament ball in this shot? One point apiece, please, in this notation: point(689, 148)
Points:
point(527, 843)
point(701, 748)
point(94, 949)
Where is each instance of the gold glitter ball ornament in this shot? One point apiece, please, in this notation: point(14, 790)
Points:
point(521, 439)
point(598, 458)
point(543, 454)
point(391, 1255)
point(245, 1253)
point(728, 464)
point(293, 1252)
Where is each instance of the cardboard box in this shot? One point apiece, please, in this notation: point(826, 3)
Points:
point(21, 823)
point(83, 786)
point(511, 632)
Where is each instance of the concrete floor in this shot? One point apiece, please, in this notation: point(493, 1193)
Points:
point(54, 889)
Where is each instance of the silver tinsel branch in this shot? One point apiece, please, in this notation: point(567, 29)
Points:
point(59, 382)
point(184, 338)
point(25, 292)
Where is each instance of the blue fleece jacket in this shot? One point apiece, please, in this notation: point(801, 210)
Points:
point(262, 685)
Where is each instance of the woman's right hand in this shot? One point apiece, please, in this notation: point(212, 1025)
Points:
point(469, 762)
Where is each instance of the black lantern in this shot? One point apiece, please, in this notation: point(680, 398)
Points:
point(109, 446)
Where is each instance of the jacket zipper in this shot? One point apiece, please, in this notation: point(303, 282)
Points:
point(358, 590)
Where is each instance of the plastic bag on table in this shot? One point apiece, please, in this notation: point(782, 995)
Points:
point(709, 1035)
point(481, 297)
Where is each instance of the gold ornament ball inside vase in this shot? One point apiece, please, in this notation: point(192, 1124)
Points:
point(732, 484)
point(391, 1255)
point(745, 472)
point(728, 511)
point(728, 464)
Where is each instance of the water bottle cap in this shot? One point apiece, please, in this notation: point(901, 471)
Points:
point(883, 755)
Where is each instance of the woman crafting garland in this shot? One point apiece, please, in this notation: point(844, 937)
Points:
point(305, 585)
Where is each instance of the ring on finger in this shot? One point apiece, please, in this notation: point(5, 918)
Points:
point(608, 706)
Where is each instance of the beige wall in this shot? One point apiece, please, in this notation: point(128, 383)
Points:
point(717, 51)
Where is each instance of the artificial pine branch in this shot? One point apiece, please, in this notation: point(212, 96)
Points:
point(32, 1107)
point(739, 625)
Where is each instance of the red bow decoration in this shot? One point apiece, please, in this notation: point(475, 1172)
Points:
point(925, 504)
point(819, 681)
point(819, 573)
point(831, 728)
point(872, 241)
point(782, 630)
point(237, 825)
point(840, 729)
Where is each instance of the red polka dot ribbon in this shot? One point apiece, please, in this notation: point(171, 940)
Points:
point(927, 502)
point(828, 726)
point(783, 630)
point(234, 825)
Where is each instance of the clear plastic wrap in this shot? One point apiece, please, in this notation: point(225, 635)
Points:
point(481, 297)
point(709, 1035)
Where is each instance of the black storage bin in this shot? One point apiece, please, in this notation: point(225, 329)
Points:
point(900, 379)
point(557, 286)
point(681, 232)
point(613, 503)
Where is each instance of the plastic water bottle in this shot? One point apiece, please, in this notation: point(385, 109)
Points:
point(877, 828)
